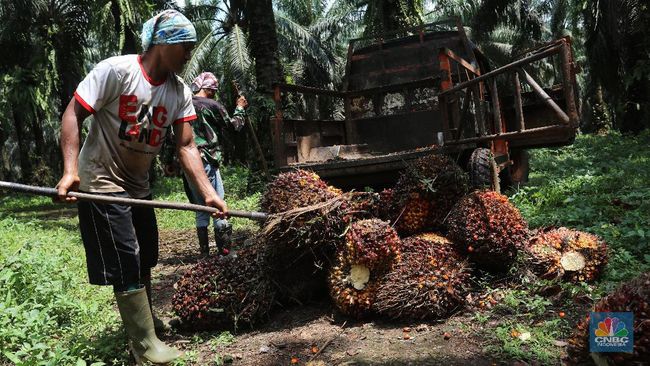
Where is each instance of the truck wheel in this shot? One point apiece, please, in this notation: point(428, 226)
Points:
point(483, 170)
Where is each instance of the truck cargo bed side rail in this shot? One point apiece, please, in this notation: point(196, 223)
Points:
point(475, 112)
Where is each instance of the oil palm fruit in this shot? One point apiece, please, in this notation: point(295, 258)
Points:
point(425, 192)
point(429, 282)
point(224, 291)
point(489, 229)
point(371, 249)
point(294, 189)
point(302, 245)
point(360, 206)
point(571, 254)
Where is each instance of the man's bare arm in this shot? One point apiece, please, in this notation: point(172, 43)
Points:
point(73, 117)
point(190, 159)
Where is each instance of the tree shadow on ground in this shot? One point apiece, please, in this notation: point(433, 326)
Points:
point(48, 211)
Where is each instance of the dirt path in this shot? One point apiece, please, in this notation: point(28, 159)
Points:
point(314, 332)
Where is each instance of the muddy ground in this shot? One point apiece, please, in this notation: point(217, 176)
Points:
point(315, 334)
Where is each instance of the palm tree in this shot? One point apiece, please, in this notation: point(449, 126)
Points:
point(313, 39)
point(388, 15)
point(264, 44)
point(43, 41)
point(618, 50)
point(115, 25)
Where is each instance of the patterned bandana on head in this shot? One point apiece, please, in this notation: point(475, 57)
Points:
point(168, 27)
point(206, 80)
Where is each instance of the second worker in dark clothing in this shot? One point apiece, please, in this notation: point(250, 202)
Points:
point(212, 117)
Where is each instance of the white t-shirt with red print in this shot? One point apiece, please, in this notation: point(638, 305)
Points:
point(132, 114)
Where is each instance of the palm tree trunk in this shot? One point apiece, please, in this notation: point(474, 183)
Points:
point(264, 50)
point(23, 143)
point(264, 44)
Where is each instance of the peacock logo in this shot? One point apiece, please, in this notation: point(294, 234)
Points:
point(611, 332)
point(611, 327)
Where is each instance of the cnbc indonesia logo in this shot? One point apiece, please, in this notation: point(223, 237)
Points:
point(609, 332)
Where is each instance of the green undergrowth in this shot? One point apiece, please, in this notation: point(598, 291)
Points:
point(49, 314)
point(600, 184)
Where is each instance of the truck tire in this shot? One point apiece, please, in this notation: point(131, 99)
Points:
point(483, 170)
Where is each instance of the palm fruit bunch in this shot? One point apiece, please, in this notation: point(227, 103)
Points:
point(425, 192)
point(489, 229)
point(307, 232)
point(372, 243)
point(422, 243)
point(224, 291)
point(430, 281)
point(570, 254)
point(297, 188)
point(295, 275)
point(634, 297)
point(371, 249)
point(360, 206)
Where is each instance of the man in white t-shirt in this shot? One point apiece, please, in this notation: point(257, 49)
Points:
point(133, 99)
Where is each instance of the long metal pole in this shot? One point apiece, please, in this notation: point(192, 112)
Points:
point(502, 69)
point(544, 96)
point(52, 192)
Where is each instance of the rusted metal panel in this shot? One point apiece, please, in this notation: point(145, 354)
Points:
point(400, 60)
point(568, 78)
point(398, 132)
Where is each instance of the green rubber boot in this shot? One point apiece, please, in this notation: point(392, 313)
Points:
point(159, 325)
point(136, 316)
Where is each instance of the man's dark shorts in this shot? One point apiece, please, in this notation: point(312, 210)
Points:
point(121, 242)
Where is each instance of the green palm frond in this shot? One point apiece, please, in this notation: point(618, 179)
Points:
point(303, 12)
point(299, 42)
point(204, 12)
point(559, 17)
point(237, 56)
point(203, 52)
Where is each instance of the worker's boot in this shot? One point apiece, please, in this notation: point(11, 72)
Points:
point(159, 325)
point(136, 317)
point(204, 244)
point(222, 239)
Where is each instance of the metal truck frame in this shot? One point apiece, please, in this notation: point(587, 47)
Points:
point(422, 90)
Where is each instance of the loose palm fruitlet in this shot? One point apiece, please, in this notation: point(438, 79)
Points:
point(425, 192)
point(224, 291)
point(489, 229)
point(371, 249)
point(570, 254)
point(633, 296)
point(430, 281)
